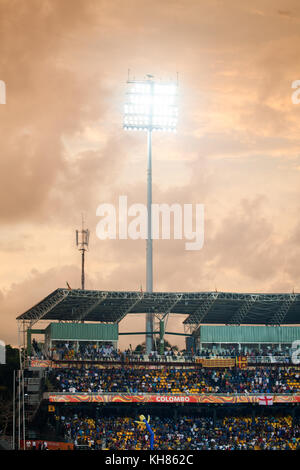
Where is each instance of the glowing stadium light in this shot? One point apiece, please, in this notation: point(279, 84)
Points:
point(150, 106)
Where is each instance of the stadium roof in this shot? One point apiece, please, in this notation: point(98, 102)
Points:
point(201, 307)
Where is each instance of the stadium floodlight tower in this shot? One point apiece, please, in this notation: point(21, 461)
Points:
point(82, 242)
point(150, 106)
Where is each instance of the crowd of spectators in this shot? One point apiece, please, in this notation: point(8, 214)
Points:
point(185, 433)
point(105, 351)
point(37, 350)
point(176, 380)
point(249, 351)
point(79, 351)
point(97, 351)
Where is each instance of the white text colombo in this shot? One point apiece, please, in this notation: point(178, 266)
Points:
point(172, 399)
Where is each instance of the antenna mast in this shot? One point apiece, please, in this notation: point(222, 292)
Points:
point(82, 243)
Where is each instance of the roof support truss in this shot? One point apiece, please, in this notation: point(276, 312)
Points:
point(40, 310)
point(80, 313)
point(201, 312)
point(168, 306)
point(239, 316)
point(129, 305)
point(281, 313)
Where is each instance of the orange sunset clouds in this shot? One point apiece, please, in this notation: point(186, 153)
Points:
point(64, 152)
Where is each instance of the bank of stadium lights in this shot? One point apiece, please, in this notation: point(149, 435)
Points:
point(150, 106)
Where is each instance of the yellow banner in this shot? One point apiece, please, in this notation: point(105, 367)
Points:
point(217, 362)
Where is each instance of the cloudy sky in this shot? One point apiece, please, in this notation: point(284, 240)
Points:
point(63, 150)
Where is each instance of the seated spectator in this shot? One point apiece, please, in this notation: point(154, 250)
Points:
point(177, 380)
point(185, 433)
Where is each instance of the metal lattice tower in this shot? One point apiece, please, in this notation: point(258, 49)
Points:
point(82, 243)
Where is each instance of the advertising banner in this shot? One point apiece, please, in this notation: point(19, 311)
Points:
point(167, 399)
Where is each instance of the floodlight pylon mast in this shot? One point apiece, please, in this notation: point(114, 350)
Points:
point(150, 105)
point(149, 253)
point(149, 267)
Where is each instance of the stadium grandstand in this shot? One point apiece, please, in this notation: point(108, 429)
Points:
point(236, 385)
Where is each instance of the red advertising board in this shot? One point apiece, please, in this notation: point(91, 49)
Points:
point(167, 399)
point(35, 444)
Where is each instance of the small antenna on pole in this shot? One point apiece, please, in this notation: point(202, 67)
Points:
point(82, 243)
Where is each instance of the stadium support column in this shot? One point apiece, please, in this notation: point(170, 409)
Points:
point(19, 409)
point(28, 342)
point(14, 412)
point(149, 263)
point(161, 337)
